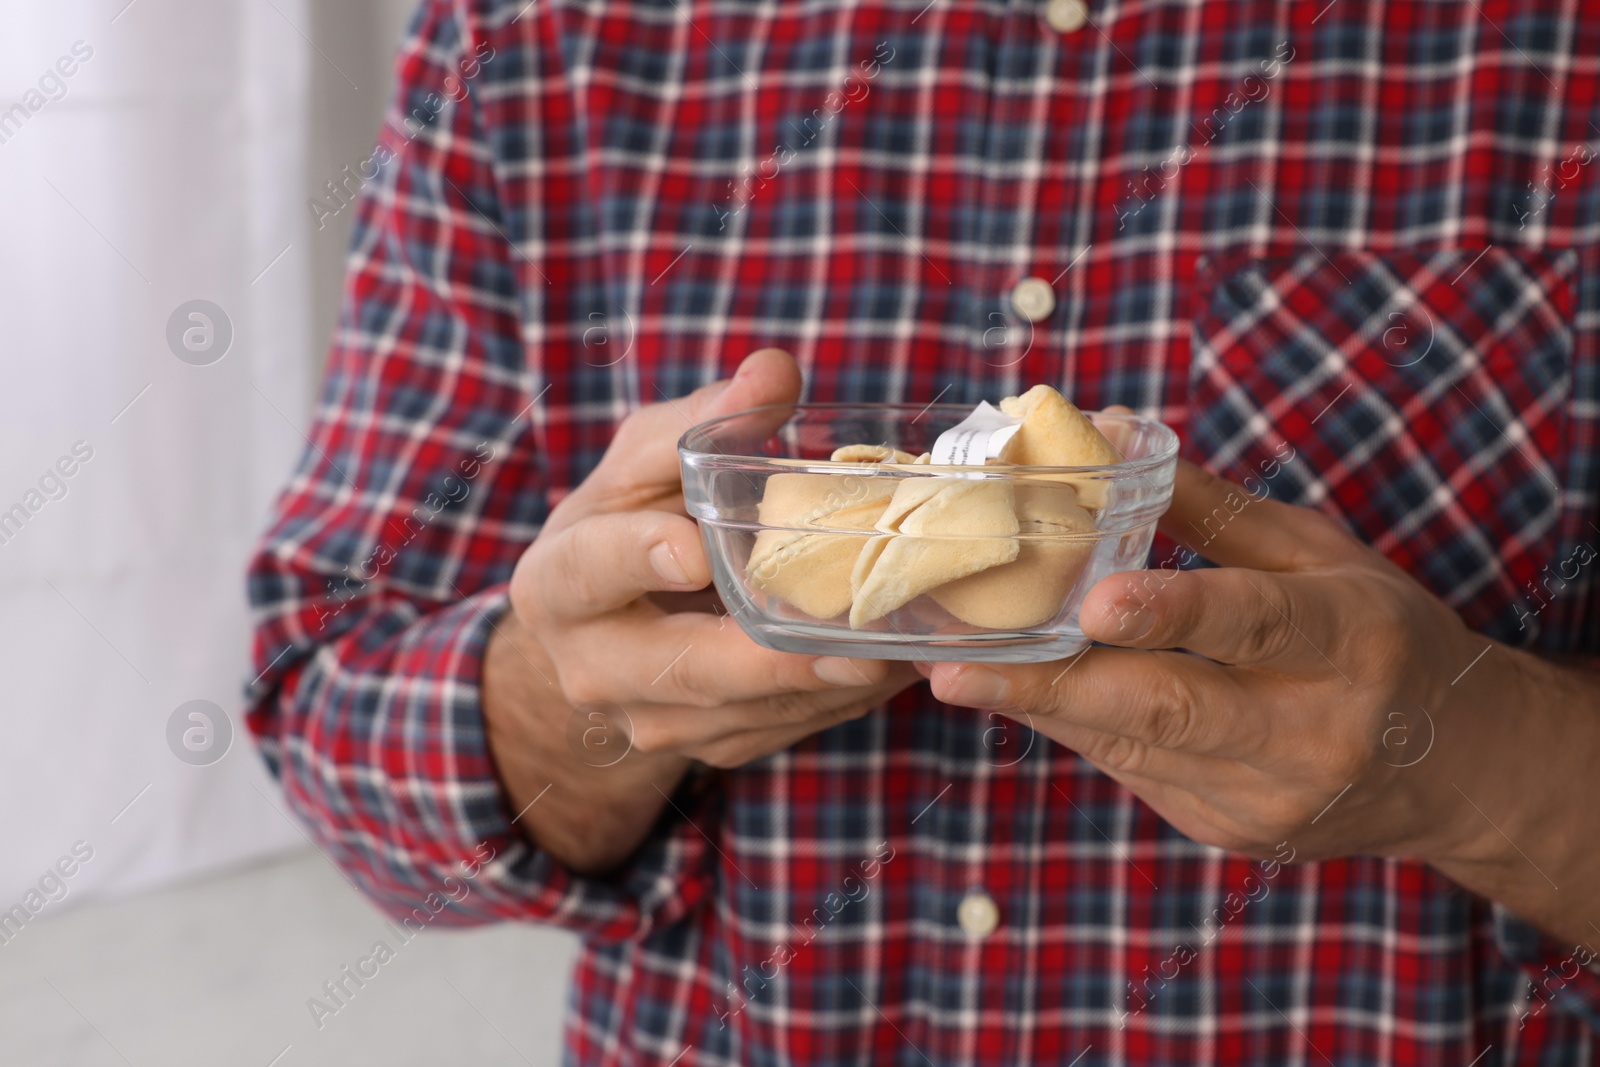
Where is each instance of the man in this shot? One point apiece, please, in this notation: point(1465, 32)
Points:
point(1347, 249)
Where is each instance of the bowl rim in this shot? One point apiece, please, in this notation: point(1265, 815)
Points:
point(697, 456)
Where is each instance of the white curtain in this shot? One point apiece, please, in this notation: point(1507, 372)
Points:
point(167, 167)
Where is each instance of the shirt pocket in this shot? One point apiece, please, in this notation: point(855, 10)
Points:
point(1424, 395)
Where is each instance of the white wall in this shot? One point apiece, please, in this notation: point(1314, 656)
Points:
point(344, 122)
point(176, 165)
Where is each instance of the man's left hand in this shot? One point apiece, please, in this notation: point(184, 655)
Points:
point(1333, 703)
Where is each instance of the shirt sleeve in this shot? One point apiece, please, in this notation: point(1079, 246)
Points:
point(383, 568)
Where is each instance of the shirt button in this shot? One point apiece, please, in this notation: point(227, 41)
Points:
point(1034, 299)
point(978, 914)
point(1066, 16)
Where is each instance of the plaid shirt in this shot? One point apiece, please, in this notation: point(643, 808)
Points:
point(1363, 231)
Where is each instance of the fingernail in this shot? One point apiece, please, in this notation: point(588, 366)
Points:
point(1134, 620)
point(666, 564)
point(836, 670)
point(980, 687)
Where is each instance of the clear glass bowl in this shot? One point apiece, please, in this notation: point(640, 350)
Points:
point(984, 564)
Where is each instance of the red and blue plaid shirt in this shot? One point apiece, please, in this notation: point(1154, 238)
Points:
point(1362, 229)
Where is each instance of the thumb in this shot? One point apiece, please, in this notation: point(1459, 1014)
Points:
point(642, 460)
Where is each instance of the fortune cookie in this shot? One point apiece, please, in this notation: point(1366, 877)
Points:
point(936, 530)
point(997, 553)
point(870, 454)
point(1054, 433)
point(811, 571)
point(1032, 588)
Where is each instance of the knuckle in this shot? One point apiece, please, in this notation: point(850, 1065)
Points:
point(1388, 646)
point(631, 430)
point(650, 736)
point(1262, 638)
point(1125, 755)
point(1169, 718)
point(1290, 815)
point(686, 680)
point(1347, 762)
point(523, 589)
point(793, 708)
point(577, 578)
point(1034, 694)
point(644, 428)
point(582, 687)
point(1267, 632)
point(1330, 535)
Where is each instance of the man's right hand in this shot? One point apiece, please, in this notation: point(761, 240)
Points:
point(583, 630)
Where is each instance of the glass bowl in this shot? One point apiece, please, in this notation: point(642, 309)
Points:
point(898, 560)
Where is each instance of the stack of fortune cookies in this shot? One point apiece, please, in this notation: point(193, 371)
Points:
point(997, 553)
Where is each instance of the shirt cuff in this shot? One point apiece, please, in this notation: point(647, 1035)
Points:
point(379, 740)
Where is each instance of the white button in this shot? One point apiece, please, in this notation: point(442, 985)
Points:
point(1034, 299)
point(978, 914)
point(1066, 16)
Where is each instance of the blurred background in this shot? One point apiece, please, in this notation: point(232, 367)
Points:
point(166, 293)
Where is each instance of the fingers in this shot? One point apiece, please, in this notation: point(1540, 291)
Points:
point(737, 733)
point(701, 661)
point(642, 461)
point(1231, 615)
point(1139, 766)
point(1165, 700)
point(1239, 526)
point(604, 562)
